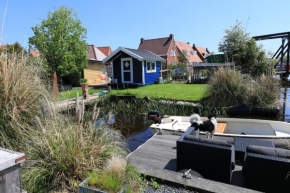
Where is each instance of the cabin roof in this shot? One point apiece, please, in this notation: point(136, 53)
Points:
point(138, 54)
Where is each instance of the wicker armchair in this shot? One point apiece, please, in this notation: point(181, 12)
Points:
point(266, 169)
point(213, 159)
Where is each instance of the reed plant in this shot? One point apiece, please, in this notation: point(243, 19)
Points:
point(64, 152)
point(22, 84)
point(143, 105)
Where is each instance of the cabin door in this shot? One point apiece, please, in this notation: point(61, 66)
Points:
point(127, 70)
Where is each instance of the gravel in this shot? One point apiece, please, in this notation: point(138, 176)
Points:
point(164, 188)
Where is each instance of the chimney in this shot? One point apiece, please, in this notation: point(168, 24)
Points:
point(142, 40)
point(187, 42)
point(207, 50)
point(171, 36)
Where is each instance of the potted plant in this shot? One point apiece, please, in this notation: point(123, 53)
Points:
point(85, 87)
point(116, 177)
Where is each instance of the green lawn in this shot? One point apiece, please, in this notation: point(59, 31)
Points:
point(73, 93)
point(168, 91)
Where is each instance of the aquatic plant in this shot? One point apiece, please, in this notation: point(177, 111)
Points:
point(143, 105)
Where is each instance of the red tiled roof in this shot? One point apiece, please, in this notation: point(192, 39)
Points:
point(106, 50)
point(34, 53)
point(183, 47)
point(202, 51)
point(158, 46)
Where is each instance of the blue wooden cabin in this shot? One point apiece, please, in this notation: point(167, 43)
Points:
point(134, 67)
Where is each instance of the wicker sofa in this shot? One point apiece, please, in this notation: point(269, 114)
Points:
point(266, 169)
point(213, 159)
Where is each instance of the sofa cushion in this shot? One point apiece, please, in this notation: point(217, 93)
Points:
point(208, 141)
point(270, 151)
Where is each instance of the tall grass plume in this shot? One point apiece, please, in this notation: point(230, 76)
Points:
point(63, 155)
point(21, 87)
point(229, 87)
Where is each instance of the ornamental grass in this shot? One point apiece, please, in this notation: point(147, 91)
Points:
point(22, 84)
point(229, 87)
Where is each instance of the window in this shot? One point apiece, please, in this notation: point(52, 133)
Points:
point(194, 53)
point(171, 53)
point(151, 67)
point(187, 52)
point(103, 70)
point(174, 53)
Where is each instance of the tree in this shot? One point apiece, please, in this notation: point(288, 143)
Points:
point(60, 39)
point(240, 48)
point(182, 57)
point(13, 48)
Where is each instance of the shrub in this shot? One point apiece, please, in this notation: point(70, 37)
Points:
point(21, 87)
point(83, 80)
point(63, 155)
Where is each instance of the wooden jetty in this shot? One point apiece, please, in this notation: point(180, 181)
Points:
point(71, 103)
point(157, 158)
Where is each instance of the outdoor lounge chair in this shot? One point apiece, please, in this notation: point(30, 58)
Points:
point(212, 158)
point(266, 169)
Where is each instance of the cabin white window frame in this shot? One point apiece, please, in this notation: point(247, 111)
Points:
point(131, 70)
point(143, 74)
point(151, 70)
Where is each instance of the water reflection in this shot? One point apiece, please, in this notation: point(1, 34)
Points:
point(135, 128)
point(285, 104)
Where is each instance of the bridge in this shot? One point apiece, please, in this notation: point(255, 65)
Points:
point(282, 51)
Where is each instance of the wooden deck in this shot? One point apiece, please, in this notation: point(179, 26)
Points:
point(71, 103)
point(221, 128)
point(157, 158)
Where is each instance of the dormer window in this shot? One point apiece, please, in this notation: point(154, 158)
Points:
point(194, 53)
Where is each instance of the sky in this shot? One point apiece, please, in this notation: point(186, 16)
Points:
point(123, 22)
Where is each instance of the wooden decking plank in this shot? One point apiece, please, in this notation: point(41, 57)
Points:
point(221, 128)
point(157, 158)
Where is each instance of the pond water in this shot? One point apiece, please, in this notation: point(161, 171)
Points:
point(136, 128)
point(285, 104)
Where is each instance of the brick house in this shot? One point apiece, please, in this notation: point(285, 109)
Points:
point(201, 52)
point(189, 53)
point(169, 49)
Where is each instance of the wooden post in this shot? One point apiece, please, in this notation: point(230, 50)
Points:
point(109, 89)
point(54, 84)
point(288, 53)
